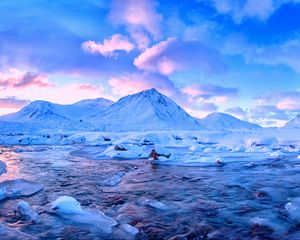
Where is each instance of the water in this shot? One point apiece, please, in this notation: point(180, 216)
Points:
point(234, 201)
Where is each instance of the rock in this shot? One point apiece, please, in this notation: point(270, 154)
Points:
point(120, 148)
point(26, 213)
point(13, 234)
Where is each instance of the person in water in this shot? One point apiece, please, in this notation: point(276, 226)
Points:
point(154, 155)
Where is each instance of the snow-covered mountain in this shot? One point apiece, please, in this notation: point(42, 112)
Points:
point(222, 121)
point(145, 111)
point(294, 123)
point(51, 115)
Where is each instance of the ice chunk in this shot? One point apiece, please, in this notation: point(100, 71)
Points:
point(130, 229)
point(293, 208)
point(114, 180)
point(26, 213)
point(155, 204)
point(70, 208)
point(67, 204)
point(19, 188)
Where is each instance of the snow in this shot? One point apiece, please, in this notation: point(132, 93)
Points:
point(67, 204)
point(221, 121)
point(69, 208)
point(18, 188)
point(144, 111)
point(294, 123)
point(130, 152)
point(26, 213)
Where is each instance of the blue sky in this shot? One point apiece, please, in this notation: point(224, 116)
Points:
point(239, 57)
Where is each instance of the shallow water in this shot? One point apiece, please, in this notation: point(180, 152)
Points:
point(221, 202)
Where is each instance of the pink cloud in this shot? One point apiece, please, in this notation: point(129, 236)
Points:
point(109, 46)
point(288, 104)
point(173, 55)
point(137, 15)
point(132, 83)
point(15, 78)
point(208, 91)
point(12, 102)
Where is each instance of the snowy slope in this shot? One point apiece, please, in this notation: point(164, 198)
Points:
point(145, 111)
point(221, 121)
point(294, 123)
point(50, 115)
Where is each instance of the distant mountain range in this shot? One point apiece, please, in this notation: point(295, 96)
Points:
point(294, 123)
point(144, 111)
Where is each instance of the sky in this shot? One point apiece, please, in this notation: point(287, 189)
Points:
point(240, 57)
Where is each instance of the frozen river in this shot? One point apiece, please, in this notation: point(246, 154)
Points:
point(238, 200)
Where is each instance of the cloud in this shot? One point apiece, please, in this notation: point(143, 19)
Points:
point(287, 100)
point(109, 47)
point(208, 107)
point(135, 82)
point(15, 78)
point(208, 91)
point(237, 111)
point(174, 55)
point(13, 102)
point(138, 16)
point(249, 9)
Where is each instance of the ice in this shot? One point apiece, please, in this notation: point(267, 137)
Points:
point(26, 213)
point(67, 204)
point(19, 188)
point(69, 208)
point(155, 204)
point(13, 234)
point(130, 229)
point(293, 208)
point(126, 152)
point(113, 180)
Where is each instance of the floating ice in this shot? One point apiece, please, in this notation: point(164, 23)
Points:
point(130, 229)
point(19, 188)
point(67, 204)
point(155, 204)
point(114, 180)
point(70, 208)
point(293, 208)
point(26, 213)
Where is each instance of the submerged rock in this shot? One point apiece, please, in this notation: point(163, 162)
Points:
point(69, 208)
point(26, 213)
point(8, 233)
point(2, 168)
point(18, 188)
